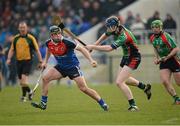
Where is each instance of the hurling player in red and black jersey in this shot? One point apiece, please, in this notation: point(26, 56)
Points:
point(130, 60)
point(67, 65)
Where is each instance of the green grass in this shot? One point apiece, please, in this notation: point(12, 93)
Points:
point(70, 106)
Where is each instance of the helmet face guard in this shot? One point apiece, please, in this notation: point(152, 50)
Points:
point(55, 33)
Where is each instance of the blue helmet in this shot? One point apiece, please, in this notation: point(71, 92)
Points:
point(112, 21)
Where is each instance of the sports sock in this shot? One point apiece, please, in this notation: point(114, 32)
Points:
point(28, 89)
point(141, 85)
point(44, 99)
point(132, 102)
point(101, 102)
point(175, 97)
point(24, 91)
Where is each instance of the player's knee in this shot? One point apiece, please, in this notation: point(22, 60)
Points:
point(83, 89)
point(165, 82)
point(118, 83)
point(45, 79)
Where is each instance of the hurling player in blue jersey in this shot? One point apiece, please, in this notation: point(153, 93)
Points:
point(67, 65)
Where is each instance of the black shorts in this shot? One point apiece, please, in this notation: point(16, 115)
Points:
point(23, 67)
point(132, 62)
point(171, 64)
point(71, 72)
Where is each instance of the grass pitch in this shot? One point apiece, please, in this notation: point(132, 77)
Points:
point(68, 106)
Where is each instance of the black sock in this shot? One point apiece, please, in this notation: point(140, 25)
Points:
point(28, 89)
point(132, 102)
point(175, 97)
point(24, 91)
point(141, 85)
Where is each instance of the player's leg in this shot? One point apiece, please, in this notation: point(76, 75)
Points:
point(81, 83)
point(176, 76)
point(21, 80)
point(145, 87)
point(133, 63)
point(165, 75)
point(51, 74)
point(25, 88)
point(122, 76)
point(25, 71)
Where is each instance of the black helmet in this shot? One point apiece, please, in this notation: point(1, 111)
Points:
point(54, 29)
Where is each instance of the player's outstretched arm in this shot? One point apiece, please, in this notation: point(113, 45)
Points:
point(106, 48)
point(87, 55)
point(103, 37)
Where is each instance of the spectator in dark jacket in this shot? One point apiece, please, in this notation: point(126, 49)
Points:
point(169, 24)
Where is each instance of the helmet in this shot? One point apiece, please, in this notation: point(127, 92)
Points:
point(112, 21)
point(157, 23)
point(54, 29)
point(55, 33)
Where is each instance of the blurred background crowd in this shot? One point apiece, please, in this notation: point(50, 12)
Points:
point(78, 16)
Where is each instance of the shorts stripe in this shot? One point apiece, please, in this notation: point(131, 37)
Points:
point(134, 63)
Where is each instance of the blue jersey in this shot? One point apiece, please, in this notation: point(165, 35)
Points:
point(63, 52)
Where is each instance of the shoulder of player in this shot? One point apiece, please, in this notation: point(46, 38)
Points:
point(16, 36)
point(167, 35)
point(30, 36)
point(68, 40)
point(47, 41)
point(125, 34)
point(151, 38)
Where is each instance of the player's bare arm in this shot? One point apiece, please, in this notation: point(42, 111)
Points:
point(157, 58)
point(10, 54)
point(173, 52)
point(87, 55)
point(103, 37)
point(39, 56)
point(48, 54)
point(106, 48)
